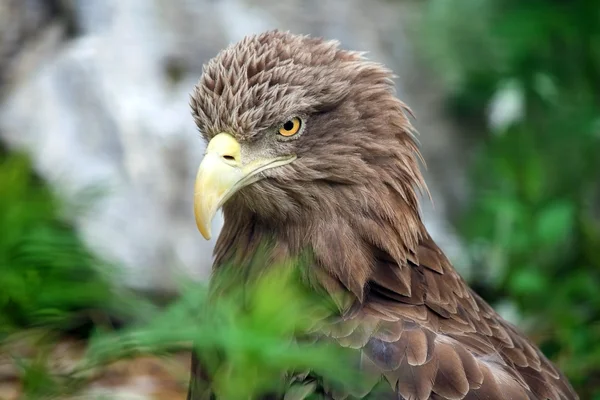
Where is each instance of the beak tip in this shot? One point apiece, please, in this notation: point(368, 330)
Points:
point(204, 231)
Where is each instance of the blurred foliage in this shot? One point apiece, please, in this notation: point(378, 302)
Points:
point(51, 286)
point(47, 276)
point(243, 337)
point(50, 282)
point(527, 74)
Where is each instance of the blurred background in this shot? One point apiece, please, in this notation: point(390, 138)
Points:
point(98, 153)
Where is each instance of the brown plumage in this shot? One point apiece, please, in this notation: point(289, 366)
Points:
point(346, 189)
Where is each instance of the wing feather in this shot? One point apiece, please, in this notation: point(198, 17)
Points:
point(430, 337)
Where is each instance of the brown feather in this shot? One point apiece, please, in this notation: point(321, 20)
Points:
point(389, 331)
point(416, 382)
point(395, 280)
point(385, 355)
point(451, 381)
point(415, 342)
point(470, 365)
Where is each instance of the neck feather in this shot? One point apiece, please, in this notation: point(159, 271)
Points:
point(339, 250)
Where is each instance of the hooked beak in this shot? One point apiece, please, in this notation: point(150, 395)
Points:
point(223, 172)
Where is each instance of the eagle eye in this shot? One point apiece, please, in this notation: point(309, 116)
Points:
point(290, 127)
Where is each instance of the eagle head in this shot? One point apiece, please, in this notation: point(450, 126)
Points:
point(302, 131)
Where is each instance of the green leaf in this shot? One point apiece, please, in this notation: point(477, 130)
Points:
point(554, 223)
point(527, 281)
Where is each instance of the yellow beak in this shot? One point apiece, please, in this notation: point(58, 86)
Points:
point(222, 172)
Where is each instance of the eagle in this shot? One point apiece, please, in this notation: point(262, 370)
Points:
point(310, 151)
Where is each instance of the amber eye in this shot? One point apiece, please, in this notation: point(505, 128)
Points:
point(291, 127)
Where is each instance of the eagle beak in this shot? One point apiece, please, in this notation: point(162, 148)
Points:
point(218, 174)
point(222, 172)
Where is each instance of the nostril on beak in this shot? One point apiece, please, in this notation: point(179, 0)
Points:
point(229, 159)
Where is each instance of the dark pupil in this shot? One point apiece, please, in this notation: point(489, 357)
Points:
point(288, 126)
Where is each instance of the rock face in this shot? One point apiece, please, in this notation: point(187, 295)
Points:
point(97, 92)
